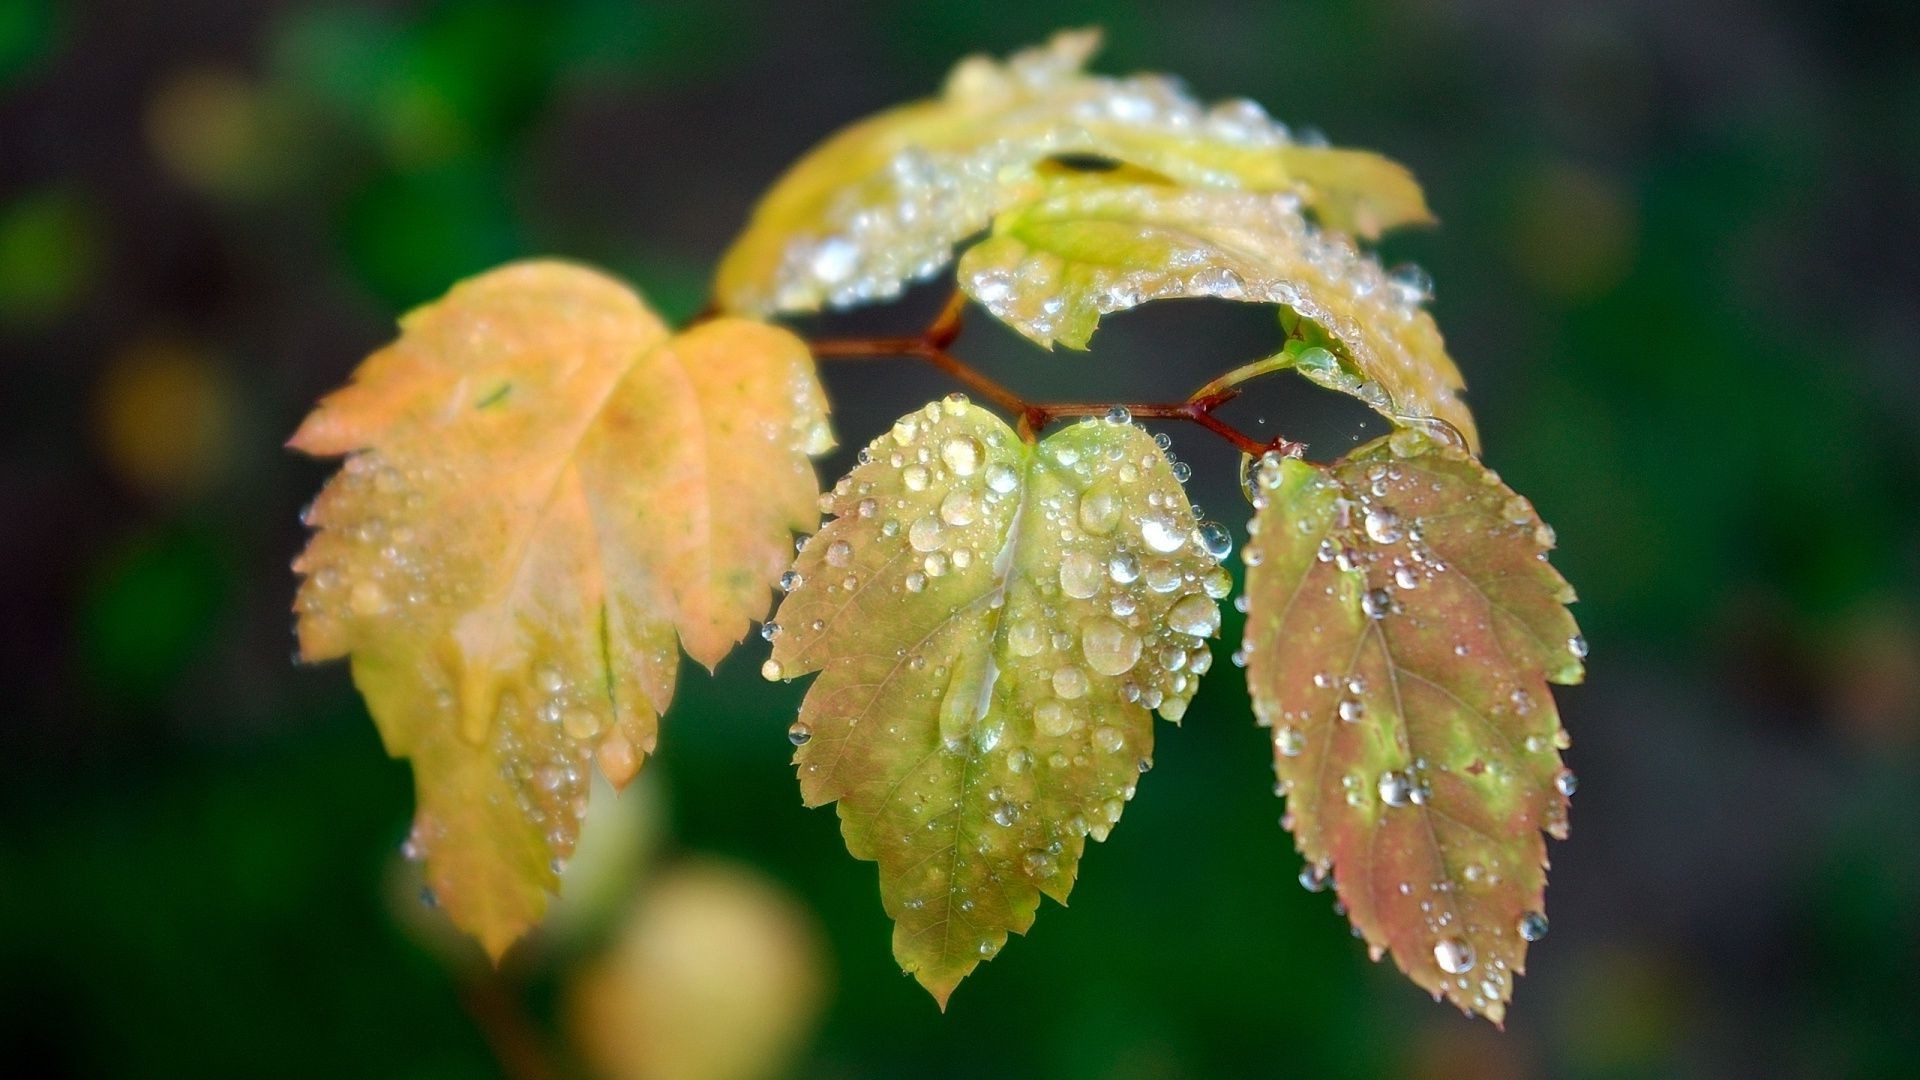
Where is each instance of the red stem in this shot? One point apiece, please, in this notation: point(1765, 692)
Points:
point(931, 346)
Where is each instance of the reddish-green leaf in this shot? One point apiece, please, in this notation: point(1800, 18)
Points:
point(543, 490)
point(1403, 627)
point(992, 623)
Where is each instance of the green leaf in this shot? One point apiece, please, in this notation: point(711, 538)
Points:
point(884, 201)
point(1095, 245)
point(992, 623)
point(545, 495)
point(1403, 626)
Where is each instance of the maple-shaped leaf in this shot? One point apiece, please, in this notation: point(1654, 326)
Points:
point(1096, 245)
point(1403, 628)
point(993, 623)
point(883, 202)
point(543, 488)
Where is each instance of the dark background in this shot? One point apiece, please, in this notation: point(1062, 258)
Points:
point(1678, 265)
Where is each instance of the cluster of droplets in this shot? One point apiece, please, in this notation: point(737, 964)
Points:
point(1369, 534)
point(900, 223)
point(1392, 359)
point(945, 515)
point(368, 563)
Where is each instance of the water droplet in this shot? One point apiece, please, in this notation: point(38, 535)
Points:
point(1054, 719)
point(1216, 539)
point(1025, 638)
point(1352, 709)
point(1289, 741)
point(770, 671)
point(1099, 510)
point(791, 580)
point(1194, 614)
point(799, 733)
point(839, 553)
point(1079, 574)
point(1314, 876)
point(1119, 415)
point(1533, 926)
point(769, 631)
point(962, 453)
point(1454, 955)
point(1161, 533)
point(1001, 478)
point(1124, 568)
point(1577, 645)
point(958, 508)
point(1377, 603)
point(1109, 738)
point(1565, 782)
point(1395, 787)
point(580, 723)
point(1110, 649)
point(1070, 682)
point(925, 534)
point(1382, 525)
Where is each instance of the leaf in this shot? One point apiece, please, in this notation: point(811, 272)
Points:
point(884, 201)
point(542, 489)
point(1053, 267)
point(1403, 627)
point(992, 623)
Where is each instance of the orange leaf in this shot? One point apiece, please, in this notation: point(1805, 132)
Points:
point(543, 489)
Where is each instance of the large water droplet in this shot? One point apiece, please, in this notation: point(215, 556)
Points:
point(1161, 533)
point(799, 733)
point(1194, 614)
point(962, 453)
point(925, 534)
point(1454, 955)
point(1383, 525)
point(1533, 926)
point(1099, 510)
point(1110, 649)
point(1079, 574)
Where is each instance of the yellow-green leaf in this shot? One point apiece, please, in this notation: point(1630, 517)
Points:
point(1403, 628)
point(992, 623)
point(884, 201)
point(543, 488)
point(1093, 245)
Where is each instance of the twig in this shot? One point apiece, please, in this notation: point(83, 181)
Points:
point(931, 346)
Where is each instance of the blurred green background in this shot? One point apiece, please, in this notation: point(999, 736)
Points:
point(1680, 265)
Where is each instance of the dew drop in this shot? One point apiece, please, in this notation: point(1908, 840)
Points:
point(1099, 510)
point(1533, 926)
point(1194, 614)
point(1110, 649)
point(1454, 955)
point(1079, 574)
point(1070, 682)
point(1161, 533)
point(1383, 525)
point(1377, 603)
point(799, 733)
point(962, 453)
point(1216, 539)
point(1314, 876)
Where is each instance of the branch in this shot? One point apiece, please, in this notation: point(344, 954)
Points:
point(931, 346)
